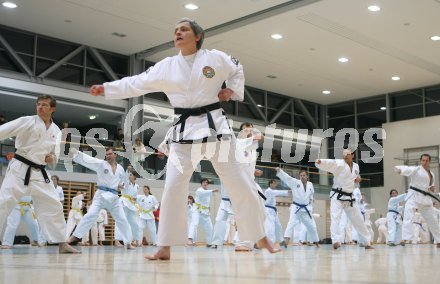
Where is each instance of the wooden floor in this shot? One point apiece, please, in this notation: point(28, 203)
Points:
point(349, 264)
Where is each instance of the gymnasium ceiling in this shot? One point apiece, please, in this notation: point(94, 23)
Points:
point(379, 45)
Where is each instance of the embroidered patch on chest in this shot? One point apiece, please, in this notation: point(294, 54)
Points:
point(208, 72)
point(234, 60)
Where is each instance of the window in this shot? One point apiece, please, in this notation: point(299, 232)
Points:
point(340, 109)
point(341, 122)
point(371, 104)
point(407, 113)
point(406, 98)
point(373, 119)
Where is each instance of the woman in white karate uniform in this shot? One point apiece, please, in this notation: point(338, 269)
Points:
point(382, 230)
point(147, 205)
point(193, 81)
point(23, 210)
point(75, 213)
point(128, 200)
point(394, 218)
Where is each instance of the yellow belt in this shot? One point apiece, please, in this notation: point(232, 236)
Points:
point(199, 206)
point(21, 203)
point(146, 211)
point(129, 197)
point(77, 210)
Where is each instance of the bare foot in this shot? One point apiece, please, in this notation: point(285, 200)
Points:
point(267, 244)
point(369, 247)
point(66, 248)
point(130, 246)
point(118, 244)
point(336, 245)
point(242, 249)
point(163, 253)
point(5, 247)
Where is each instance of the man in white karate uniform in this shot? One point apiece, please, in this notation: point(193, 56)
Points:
point(202, 214)
point(223, 213)
point(37, 142)
point(421, 196)
point(193, 81)
point(346, 175)
point(301, 208)
point(111, 177)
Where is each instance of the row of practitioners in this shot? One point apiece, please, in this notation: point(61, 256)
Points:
point(111, 178)
point(347, 207)
point(301, 213)
point(138, 209)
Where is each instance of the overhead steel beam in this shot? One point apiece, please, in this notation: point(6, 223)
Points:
point(254, 104)
point(306, 113)
point(61, 62)
point(281, 110)
point(15, 57)
point(234, 24)
point(101, 61)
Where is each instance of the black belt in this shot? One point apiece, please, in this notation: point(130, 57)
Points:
point(342, 193)
point(32, 165)
point(187, 112)
point(425, 193)
point(271, 207)
point(226, 199)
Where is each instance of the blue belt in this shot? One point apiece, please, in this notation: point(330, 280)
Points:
point(226, 199)
point(394, 211)
point(421, 226)
point(302, 206)
point(397, 213)
point(108, 189)
point(271, 207)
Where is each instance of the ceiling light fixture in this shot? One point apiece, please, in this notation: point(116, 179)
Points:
point(326, 92)
point(374, 8)
point(191, 6)
point(9, 5)
point(383, 108)
point(343, 59)
point(395, 78)
point(93, 116)
point(435, 38)
point(276, 36)
point(258, 105)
